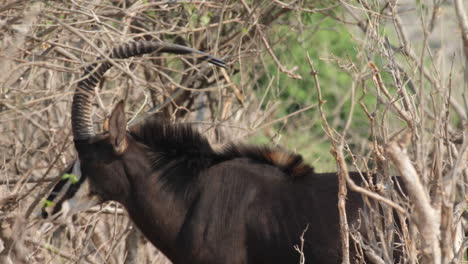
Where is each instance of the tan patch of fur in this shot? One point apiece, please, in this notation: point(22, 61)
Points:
point(301, 169)
point(122, 147)
point(289, 161)
point(280, 158)
point(105, 126)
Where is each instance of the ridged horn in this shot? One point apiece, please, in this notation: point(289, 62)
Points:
point(82, 124)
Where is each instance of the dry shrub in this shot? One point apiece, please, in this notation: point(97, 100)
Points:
point(410, 58)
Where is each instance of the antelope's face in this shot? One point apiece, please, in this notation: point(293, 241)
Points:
point(98, 175)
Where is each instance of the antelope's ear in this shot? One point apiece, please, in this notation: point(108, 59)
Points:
point(118, 128)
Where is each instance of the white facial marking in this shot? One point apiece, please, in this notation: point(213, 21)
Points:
point(82, 200)
point(77, 169)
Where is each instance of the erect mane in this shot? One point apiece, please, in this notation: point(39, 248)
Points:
point(290, 163)
point(172, 140)
point(183, 142)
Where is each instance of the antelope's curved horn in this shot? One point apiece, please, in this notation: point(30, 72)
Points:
point(82, 124)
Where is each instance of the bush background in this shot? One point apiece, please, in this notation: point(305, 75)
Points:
point(267, 96)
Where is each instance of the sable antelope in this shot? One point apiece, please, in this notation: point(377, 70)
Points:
point(244, 204)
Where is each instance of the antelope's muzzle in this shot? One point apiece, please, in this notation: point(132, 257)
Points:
point(71, 195)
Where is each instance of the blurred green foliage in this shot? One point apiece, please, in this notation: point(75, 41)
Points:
point(332, 48)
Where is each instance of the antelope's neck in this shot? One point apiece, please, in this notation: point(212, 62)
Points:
point(159, 211)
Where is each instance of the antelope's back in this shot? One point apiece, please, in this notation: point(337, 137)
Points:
point(256, 211)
